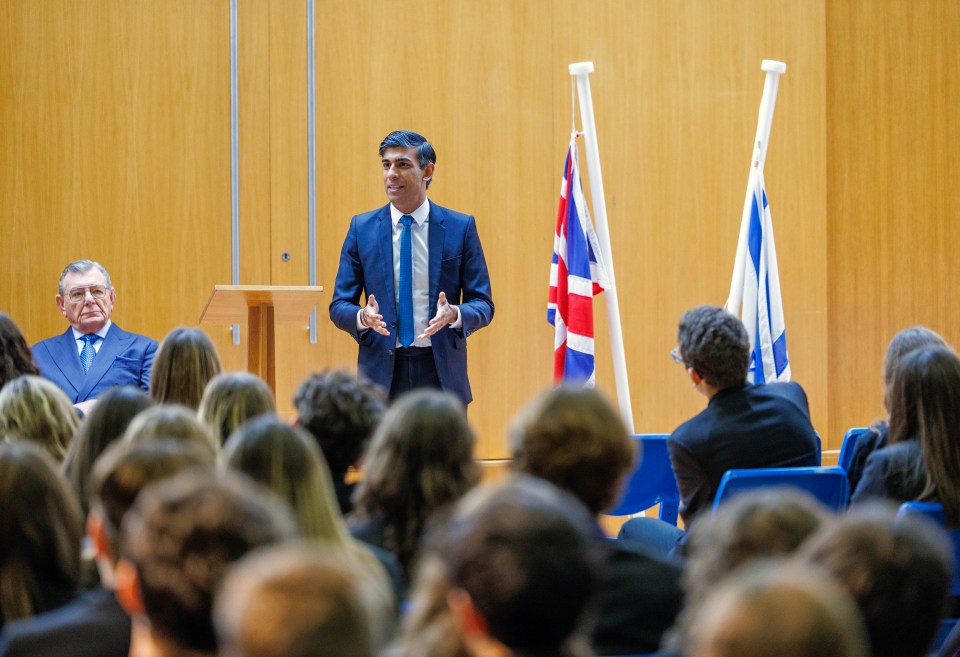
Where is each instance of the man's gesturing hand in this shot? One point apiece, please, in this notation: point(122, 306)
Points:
point(371, 318)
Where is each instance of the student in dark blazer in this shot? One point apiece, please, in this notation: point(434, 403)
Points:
point(448, 286)
point(94, 354)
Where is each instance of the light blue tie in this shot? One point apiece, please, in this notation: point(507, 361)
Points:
point(88, 353)
point(405, 299)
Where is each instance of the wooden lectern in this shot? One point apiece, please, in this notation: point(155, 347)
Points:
point(261, 307)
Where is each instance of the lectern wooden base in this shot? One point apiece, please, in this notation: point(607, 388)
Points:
point(261, 307)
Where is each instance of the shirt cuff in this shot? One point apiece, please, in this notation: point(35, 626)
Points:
point(459, 321)
point(360, 326)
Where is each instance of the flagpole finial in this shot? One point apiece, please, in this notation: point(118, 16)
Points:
point(773, 66)
point(580, 68)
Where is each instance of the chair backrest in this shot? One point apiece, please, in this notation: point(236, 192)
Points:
point(826, 483)
point(934, 511)
point(651, 482)
point(849, 446)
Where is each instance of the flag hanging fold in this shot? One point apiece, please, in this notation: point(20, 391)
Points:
point(762, 303)
point(576, 276)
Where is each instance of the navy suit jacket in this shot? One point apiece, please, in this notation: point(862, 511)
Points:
point(93, 625)
point(748, 426)
point(457, 267)
point(124, 359)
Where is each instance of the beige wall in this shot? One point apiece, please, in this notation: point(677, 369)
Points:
point(114, 144)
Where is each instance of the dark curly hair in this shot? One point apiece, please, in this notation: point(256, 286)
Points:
point(715, 344)
point(15, 356)
point(341, 413)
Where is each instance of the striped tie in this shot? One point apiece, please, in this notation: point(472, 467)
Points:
point(88, 353)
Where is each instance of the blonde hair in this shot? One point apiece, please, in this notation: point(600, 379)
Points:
point(232, 398)
point(777, 608)
point(176, 422)
point(185, 362)
point(36, 410)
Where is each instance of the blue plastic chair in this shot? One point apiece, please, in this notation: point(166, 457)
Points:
point(826, 483)
point(651, 481)
point(849, 446)
point(934, 511)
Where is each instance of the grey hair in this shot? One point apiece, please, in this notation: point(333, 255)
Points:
point(82, 267)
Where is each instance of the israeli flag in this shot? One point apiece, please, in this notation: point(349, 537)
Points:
point(762, 311)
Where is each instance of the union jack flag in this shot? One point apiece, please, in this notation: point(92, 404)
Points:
point(576, 276)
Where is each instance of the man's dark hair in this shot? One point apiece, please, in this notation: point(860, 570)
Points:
point(409, 139)
point(124, 469)
point(716, 345)
point(528, 555)
point(341, 413)
point(898, 571)
point(575, 439)
point(182, 535)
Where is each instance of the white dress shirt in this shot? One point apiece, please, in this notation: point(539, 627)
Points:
point(422, 312)
point(78, 336)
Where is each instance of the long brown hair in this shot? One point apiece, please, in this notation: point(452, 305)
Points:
point(15, 356)
point(927, 385)
point(419, 459)
point(184, 364)
point(40, 530)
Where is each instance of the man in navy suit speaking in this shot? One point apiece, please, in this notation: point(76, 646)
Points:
point(94, 354)
point(422, 269)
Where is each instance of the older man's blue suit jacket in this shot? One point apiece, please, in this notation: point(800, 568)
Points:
point(457, 267)
point(124, 359)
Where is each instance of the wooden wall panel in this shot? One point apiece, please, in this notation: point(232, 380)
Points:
point(676, 90)
point(114, 144)
point(114, 123)
point(894, 144)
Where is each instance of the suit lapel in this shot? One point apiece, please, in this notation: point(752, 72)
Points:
point(115, 342)
point(385, 240)
point(437, 234)
point(66, 355)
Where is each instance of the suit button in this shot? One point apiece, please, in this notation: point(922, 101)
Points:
point(393, 325)
point(390, 353)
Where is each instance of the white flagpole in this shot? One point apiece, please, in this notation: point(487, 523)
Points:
point(774, 70)
point(581, 71)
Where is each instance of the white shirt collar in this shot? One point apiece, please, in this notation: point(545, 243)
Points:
point(77, 335)
point(420, 215)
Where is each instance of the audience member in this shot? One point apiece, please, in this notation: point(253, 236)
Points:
point(753, 526)
point(298, 601)
point(772, 609)
point(287, 461)
point(573, 438)
point(715, 350)
point(922, 458)
point(40, 530)
point(94, 354)
point(874, 437)
point(36, 410)
point(104, 424)
point(523, 564)
point(232, 398)
point(176, 544)
point(898, 572)
point(95, 625)
point(419, 460)
point(177, 422)
point(186, 361)
point(341, 413)
point(15, 357)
